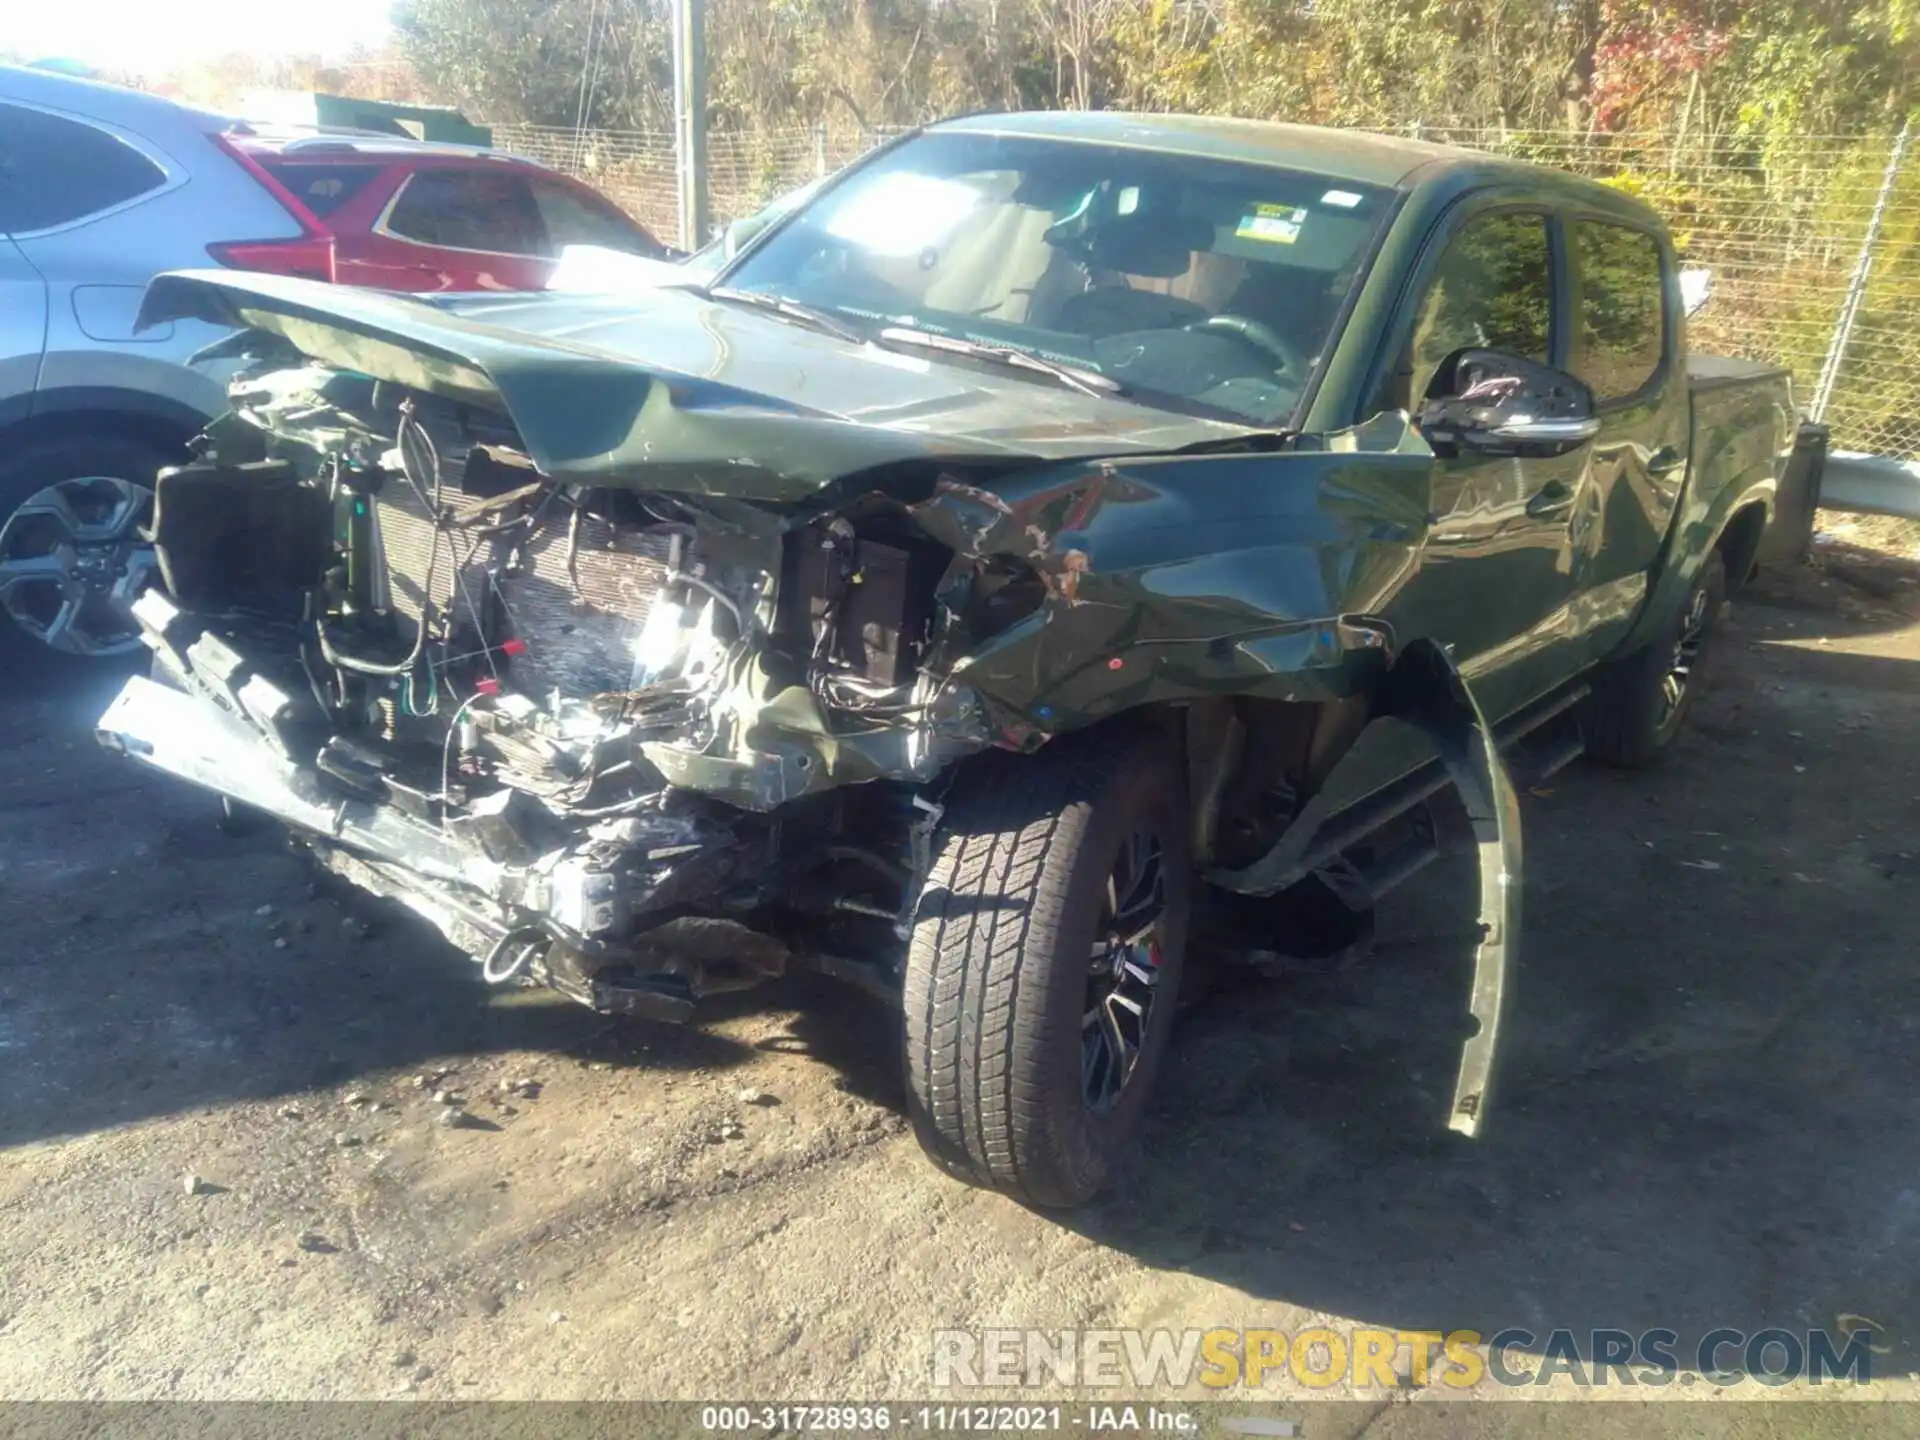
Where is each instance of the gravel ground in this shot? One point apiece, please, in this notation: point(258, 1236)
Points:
point(228, 1169)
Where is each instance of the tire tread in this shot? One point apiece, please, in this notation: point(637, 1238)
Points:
point(988, 921)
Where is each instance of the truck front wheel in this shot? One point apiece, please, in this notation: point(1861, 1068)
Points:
point(1045, 961)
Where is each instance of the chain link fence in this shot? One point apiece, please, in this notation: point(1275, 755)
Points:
point(1813, 241)
point(635, 168)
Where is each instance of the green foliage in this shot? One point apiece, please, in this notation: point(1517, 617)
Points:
point(1726, 67)
point(1678, 198)
point(1619, 331)
point(541, 61)
point(1493, 289)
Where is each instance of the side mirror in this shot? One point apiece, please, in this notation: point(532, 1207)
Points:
point(1493, 403)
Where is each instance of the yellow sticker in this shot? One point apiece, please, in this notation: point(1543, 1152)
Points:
point(1277, 224)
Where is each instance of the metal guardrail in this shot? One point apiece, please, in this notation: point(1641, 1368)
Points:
point(1871, 485)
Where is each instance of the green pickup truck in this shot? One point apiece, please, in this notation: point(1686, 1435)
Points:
point(1057, 546)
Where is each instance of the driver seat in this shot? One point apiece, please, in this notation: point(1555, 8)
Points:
point(1158, 247)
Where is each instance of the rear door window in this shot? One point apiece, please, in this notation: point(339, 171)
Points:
point(1622, 334)
point(469, 210)
point(571, 219)
point(323, 189)
point(55, 171)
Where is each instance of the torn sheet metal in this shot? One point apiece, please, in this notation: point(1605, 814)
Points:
point(1169, 576)
point(197, 741)
point(1171, 579)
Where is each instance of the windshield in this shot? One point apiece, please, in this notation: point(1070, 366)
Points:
point(1190, 281)
point(712, 257)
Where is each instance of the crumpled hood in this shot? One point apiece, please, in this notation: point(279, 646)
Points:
point(659, 387)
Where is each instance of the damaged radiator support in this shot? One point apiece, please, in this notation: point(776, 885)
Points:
point(578, 588)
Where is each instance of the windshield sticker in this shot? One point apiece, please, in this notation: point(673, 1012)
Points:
point(1276, 224)
point(1345, 199)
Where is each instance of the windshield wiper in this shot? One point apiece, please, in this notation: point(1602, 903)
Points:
point(790, 309)
point(1087, 382)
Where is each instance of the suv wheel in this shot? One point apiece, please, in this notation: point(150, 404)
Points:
point(1045, 962)
point(72, 559)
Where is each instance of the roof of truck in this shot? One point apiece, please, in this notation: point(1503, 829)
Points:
point(1355, 155)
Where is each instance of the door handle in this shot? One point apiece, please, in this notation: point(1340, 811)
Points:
point(1551, 499)
point(1665, 461)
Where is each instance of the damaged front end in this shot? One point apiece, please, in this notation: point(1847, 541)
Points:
point(644, 687)
point(601, 739)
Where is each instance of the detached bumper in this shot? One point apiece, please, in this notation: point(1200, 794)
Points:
point(579, 924)
point(198, 741)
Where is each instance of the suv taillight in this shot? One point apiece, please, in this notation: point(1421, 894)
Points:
point(310, 257)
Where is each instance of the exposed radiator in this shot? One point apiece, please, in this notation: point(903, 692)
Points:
point(579, 621)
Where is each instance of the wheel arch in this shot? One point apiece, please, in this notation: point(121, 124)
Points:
point(1422, 688)
point(83, 412)
point(1739, 542)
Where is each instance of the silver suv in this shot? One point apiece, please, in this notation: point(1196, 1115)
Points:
point(100, 189)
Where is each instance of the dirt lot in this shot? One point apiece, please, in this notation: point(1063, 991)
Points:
point(1706, 1118)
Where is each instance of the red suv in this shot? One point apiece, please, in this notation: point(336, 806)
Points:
point(398, 214)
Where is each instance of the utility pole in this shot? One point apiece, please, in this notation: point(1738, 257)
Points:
point(690, 118)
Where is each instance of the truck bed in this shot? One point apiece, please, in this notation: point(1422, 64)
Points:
point(1707, 372)
point(1742, 427)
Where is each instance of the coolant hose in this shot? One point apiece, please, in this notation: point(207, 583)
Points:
point(528, 938)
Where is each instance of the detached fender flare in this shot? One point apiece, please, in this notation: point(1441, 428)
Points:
point(1424, 688)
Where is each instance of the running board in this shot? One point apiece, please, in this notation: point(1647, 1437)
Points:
point(1529, 718)
point(1540, 760)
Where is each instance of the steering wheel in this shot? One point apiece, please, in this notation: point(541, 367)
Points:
point(1259, 337)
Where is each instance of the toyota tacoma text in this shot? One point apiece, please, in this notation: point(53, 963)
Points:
point(1054, 547)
